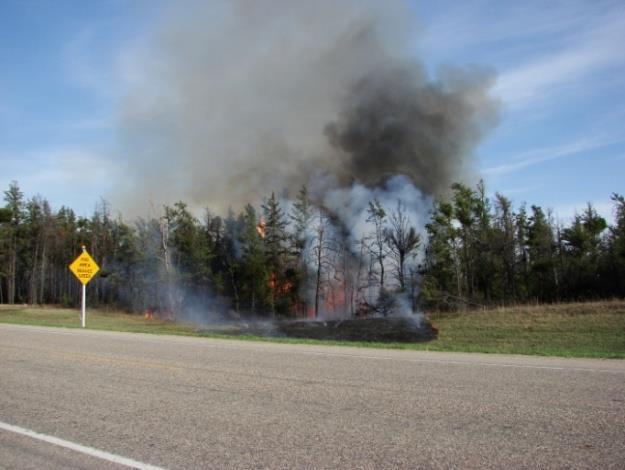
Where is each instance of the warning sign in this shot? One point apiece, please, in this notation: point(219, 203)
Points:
point(84, 267)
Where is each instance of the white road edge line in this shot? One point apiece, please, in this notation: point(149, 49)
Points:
point(118, 459)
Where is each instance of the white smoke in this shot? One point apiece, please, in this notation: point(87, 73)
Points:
point(350, 204)
point(234, 99)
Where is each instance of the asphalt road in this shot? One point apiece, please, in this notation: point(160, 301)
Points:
point(180, 402)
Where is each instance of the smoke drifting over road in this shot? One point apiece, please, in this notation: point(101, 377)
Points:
point(238, 98)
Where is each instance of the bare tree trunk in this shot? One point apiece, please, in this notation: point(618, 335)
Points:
point(171, 303)
point(12, 273)
point(359, 285)
point(42, 274)
point(318, 251)
point(318, 277)
point(32, 288)
point(370, 280)
point(400, 274)
point(235, 290)
point(347, 284)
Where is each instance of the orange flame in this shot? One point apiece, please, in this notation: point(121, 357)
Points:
point(278, 287)
point(334, 300)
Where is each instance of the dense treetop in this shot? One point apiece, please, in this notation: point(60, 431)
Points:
point(274, 261)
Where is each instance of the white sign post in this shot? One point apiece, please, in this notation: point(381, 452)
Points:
point(84, 268)
point(83, 310)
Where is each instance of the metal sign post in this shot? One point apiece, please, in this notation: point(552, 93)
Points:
point(84, 268)
point(83, 310)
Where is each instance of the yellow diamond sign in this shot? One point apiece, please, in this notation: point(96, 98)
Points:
point(84, 267)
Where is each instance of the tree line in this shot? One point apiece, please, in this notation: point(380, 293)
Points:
point(296, 261)
point(485, 252)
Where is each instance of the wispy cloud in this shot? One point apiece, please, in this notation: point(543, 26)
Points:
point(595, 50)
point(469, 25)
point(540, 155)
point(540, 48)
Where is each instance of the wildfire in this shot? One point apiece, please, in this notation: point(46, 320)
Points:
point(260, 228)
point(334, 300)
point(278, 287)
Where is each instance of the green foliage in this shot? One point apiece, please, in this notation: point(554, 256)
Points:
point(477, 252)
point(479, 255)
point(254, 277)
point(615, 269)
point(5, 215)
point(191, 253)
point(540, 246)
point(276, 255)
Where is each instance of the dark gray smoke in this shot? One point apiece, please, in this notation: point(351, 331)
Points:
point(234, 99)
point(395, 122)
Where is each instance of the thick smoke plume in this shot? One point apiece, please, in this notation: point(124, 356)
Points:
point(393, 121)
point(238, 98)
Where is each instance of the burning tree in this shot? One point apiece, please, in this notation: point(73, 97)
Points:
point(301, 217)
point(322, 247)
point(275, 239)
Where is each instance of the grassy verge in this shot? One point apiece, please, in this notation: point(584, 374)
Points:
point(96, 320)
point(591, 329)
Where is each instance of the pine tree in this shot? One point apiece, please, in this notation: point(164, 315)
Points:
point(583, 244)
point(254, 274)
point(442, 272)
point(504, 244)
point(464, 211)
point(485, 269)
point(230, 255)
point(301, 216)
point(541, 244)
point(276, 251)
point(275, 236)
point(523, 262)
point(15, 205)
point(321, 249)
point(616, 247)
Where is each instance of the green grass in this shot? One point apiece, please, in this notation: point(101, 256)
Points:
point(96, 320)
point(592, 329)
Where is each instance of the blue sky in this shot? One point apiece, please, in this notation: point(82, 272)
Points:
point(64, 67)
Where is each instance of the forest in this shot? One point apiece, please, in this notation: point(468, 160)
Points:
point(293, 261)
